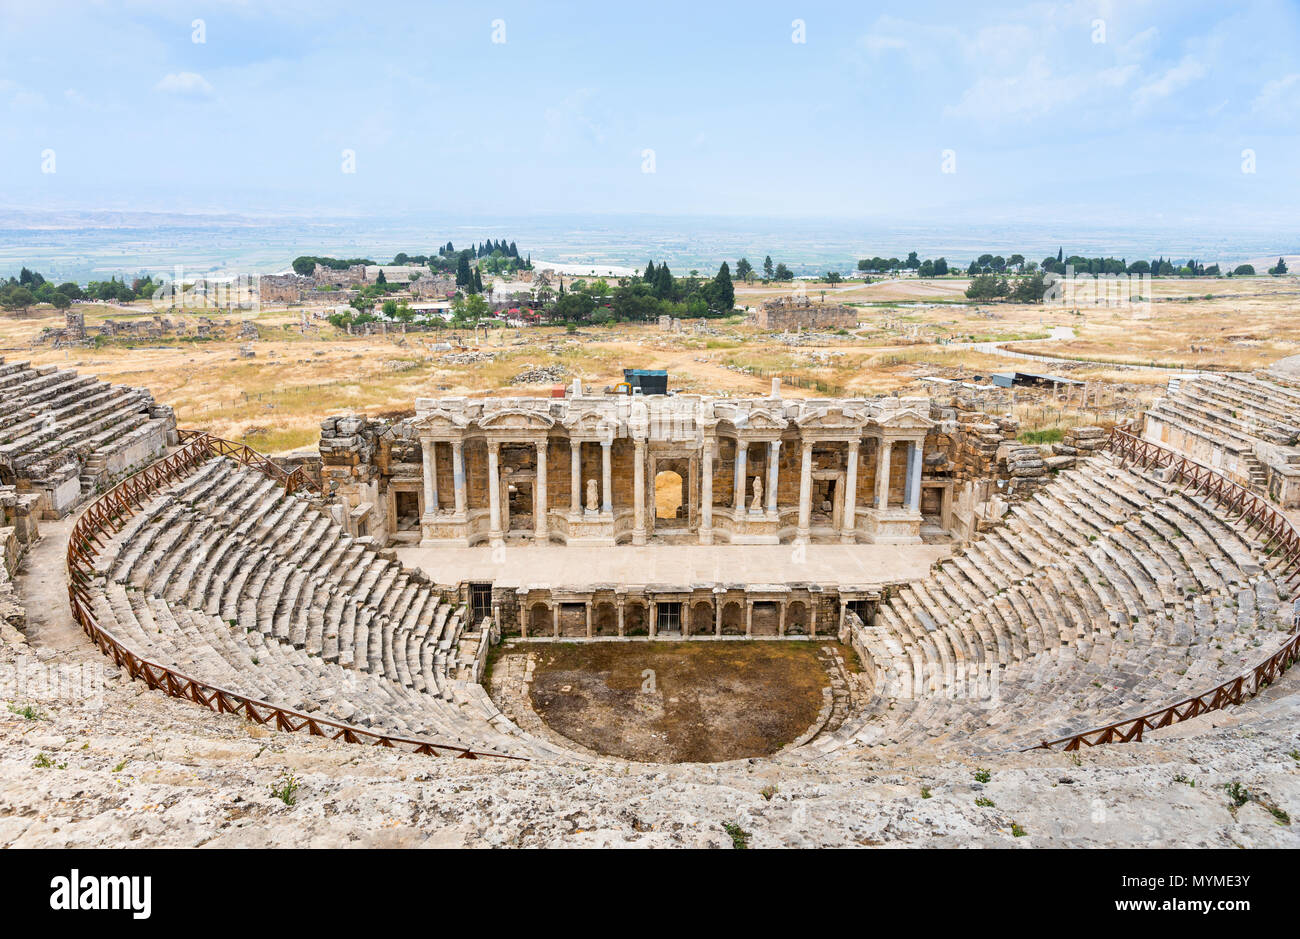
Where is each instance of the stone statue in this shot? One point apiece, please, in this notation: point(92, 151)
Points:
point(757, 504)
point(593, 499)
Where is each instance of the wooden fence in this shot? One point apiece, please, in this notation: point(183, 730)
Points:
point(110, 512)
point(1280, 539)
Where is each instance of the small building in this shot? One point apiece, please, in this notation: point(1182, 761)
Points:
point(649, 381)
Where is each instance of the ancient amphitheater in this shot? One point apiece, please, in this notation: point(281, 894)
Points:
point(1077, 645)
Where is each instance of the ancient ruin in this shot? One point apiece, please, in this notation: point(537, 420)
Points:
point(65, 437)
point(790, 313)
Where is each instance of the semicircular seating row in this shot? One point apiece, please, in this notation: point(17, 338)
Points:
point(1110, 593)
point(225, 578)
point(50, 417)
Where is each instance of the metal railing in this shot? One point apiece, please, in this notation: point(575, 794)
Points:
point(1279, 538)
point(110, 512)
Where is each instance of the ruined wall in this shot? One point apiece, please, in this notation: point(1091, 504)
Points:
point(786, 313)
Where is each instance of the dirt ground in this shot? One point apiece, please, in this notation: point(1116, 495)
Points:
point(699, 702)
point(908, 329)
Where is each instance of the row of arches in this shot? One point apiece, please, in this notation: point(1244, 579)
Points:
point(601, 618)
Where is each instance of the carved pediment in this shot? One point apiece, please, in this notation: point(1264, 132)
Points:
point(831, 418)
point(759, 419)
point(590, 423)
point(905, 420)
point(516, 419)
point(440, 423)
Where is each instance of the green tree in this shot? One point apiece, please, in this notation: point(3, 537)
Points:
point(1279, 268)
point(767, 268)
point(723, 294)
point(744, 270)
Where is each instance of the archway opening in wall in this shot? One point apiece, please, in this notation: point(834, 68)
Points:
point(407, 510)
point(605, 620)
point(540, 622)
point(670, 499)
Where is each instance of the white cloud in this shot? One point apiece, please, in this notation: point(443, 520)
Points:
point(184, 84)
point(1277, 99)
point(1188, 70)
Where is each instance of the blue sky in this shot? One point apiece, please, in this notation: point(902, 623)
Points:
point(1045, 122)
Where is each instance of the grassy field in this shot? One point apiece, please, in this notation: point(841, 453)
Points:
point(908, 329)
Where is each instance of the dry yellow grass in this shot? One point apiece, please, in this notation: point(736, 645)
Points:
point(277, 399)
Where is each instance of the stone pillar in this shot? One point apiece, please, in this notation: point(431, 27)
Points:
point(621, 604)
point(749, 617)
point(882, 474)
point(638, 490)
point(738, 500)
point(780, 624)
point(494, 493)
point(607, 495)
point(804, 531)
point(575, 477)
point(430, 476)
point(541, 502)
point(654, 617)
point(718, 604)
point(773, 473)
point(555, 620)
point(915, 463)
point(458, 476)
point(849, 534)
point(812, 616)
point(588, 619)
point(706, 494)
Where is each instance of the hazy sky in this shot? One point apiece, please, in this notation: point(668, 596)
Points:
point(1072, 111)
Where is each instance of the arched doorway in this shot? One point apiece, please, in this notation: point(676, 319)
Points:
point(539, 620)
point(670, 500)
point(702, 618)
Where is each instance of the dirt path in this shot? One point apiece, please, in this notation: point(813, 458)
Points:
point(42, 584)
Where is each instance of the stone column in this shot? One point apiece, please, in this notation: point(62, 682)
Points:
point(458, 476)
point(780, 623)
point(575, 477)
point(555, 620)
point(882, 474)
point(849, 535)
point(804, 531)
point(773, 475)
point(588, 619)
point(541, 502)
point(654, 617)
point(749, 618)
point(742, 454)
point(706, 494)
point(607, 495)
point(915, 461)
point(494, 493)
point(638, 490)
point(430, 476)
point(718, 604)
point(621, 605)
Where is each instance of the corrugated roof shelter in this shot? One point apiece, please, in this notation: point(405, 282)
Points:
point(1012, 379)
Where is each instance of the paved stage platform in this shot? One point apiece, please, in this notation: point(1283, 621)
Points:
point(675, 565)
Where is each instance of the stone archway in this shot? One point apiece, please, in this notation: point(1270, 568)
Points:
point(701, 623)
point(733, 619)
point(635, 622)
point(796, 619)
point(671, 501)
point(539, 620)
point(604, 620)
